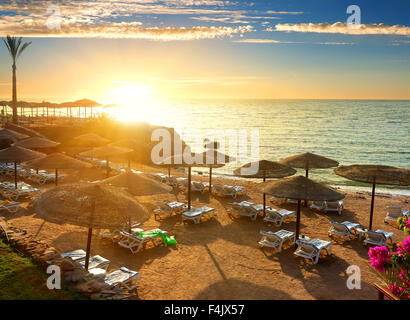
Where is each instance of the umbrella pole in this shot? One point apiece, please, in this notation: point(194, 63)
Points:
point(189, 188)
point(129, 163)
point(210, 179)
point(107, 164)
point(169, 171)
point(56, 177)
point(372, 207)
point(87, 255)
point(307, 176)
point(297, 224)
point(264, 194)
point(15, 174)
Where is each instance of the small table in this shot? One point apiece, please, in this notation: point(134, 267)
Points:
point(360, 231)
point(304, 238)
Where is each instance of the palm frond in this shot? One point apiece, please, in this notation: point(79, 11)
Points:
point(23, 47)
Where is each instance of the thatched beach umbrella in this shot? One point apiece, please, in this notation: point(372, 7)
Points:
point(91, 139)
point(178, 161)
point(300, 188)
point(138, 147)
point(215, 159)
point(309, 161)
point(37, 143)
point(138, 184)
point(375, 174)
point(12, 135)
point(90, 205)
point(18, 154)
point(106, 152)
point(266, 169)
point(56, 161)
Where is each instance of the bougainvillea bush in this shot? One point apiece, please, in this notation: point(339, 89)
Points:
point(404, 224)
point(392, 266)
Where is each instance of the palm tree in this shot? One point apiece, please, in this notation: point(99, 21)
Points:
point(15, 48)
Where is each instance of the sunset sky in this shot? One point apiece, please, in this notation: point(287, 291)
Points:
point(114, 50)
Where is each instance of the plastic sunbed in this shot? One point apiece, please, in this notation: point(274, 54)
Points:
point(276, 239)
point(312, 249)
point(378, 237)
point(344, 229)
point(278, 216)
point(196, 214)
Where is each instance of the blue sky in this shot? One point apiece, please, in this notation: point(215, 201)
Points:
point(208, 48)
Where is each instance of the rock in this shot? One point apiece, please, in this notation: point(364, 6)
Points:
point(67, 265)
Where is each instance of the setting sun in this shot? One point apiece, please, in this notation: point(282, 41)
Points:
point(133, 101)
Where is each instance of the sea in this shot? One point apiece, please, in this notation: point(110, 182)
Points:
point(348, 131)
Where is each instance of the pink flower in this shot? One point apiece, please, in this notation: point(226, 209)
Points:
point(398, 291)
point(406, 244)
point(379, 258)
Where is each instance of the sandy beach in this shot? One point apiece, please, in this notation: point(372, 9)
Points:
point(220, 258)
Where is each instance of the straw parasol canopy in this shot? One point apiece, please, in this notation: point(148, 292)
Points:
point(375, 174)
point(141, 147)
point(215, 159)
point(179, 161)
point(90, 205)
point(138, 184)
point(309, 161)
point(266, 169)
point(300, 188)
point(91, 139)
point(12, 135)
point(106, 152)
point(37, 143)
point(18, 154)
point(56, 161)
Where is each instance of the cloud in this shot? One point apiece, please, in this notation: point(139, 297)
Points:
point(263, 41)
point(284, 12)
point(290, 42)
point(21, 26)
point(343, 28)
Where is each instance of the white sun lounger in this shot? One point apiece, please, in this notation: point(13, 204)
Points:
point(247, 209)
point(276, 239)
point(76, 255)
point(171, 181)
point(278, 216)
point(344, 229)
point(122, 277)
point(378, 237)
point(326, 206)
point(167, 209)
point(312, 249)
point(395, 212)
point(96, 262)
point(23, 189)
point(196, 214)
point(225, 190)
point(12, 207)
point(43, 178)
point(133, 242)
point(197, 186)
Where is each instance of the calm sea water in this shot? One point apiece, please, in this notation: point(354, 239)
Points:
point(351, 132)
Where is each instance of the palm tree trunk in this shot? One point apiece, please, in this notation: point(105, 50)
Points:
point(14, 104)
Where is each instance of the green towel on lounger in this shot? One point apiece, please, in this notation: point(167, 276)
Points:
point(167, 240)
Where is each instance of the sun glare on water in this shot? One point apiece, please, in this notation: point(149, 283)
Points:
point(134, 103)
